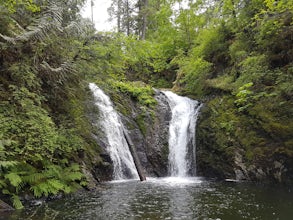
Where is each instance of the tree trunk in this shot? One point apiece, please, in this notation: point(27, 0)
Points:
point(136, 160)
point(145, 19)
point(128, 18)
point(119, 8)
point(4, 206)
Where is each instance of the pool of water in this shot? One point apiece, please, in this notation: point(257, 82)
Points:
point(168, 198)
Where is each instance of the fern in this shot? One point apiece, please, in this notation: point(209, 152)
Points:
point(34, 178)
point(55, 179)
point(41, 189)
point(73, 167)
point(14, 179)
point(38, 190)
point(16, 202)
point(55, 186)
point(73, 176)
point(79, 29)
point(67, 189)
point(52, 186)
point(8, 164)
point(50, 21)
point(66, 67)
point(3, 184)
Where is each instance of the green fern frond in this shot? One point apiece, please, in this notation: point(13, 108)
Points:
point(6, 192)
point(73, 176)
point(83, 183)
point(52, 186)
point(16, 202)
point(14, 179)
point(80, 29)
point(8, 164)
point(40, 189)
point(67, 189)
point(55, 186)
point(37, 191)
point(53, 171)
point(3, 184)
point(8, 39)
point(74, 186)
point(34, 178)
point(49, 22)
point(65, 67)
point(73, 167)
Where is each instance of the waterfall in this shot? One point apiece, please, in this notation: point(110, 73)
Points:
point(117, 146)
point(182, 134)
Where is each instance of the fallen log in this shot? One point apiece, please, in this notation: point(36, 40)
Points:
point(136, 160)
point(4, 206)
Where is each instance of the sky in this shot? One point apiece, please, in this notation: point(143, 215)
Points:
point(100, 14)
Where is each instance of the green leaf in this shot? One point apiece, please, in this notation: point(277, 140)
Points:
point(16, 202)
point(8, 164)
point(72, 176)
point(14, 179)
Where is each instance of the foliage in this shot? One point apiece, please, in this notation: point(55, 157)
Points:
point(236, 55)
point(138, 91)
point(243, 96)
point(193, 73)
point(41, 136)
point(13, 5)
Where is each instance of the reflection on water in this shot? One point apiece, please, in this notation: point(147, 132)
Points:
point(168, 198)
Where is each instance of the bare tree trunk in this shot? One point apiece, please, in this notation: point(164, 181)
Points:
point(128, 18)
point(4, 206)
point(92, 10)
point(144, 18)
point(119, 8)
point(136, 160)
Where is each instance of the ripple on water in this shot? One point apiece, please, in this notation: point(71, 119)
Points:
point(168, 198)
point(175, 181)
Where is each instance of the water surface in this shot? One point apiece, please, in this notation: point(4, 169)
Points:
point(168, 198)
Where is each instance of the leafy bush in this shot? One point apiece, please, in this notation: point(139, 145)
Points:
point(139, 91)
point(192, 74)
point(33, 151)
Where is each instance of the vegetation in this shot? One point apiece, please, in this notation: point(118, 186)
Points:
point(42, 110)
point(234, 55)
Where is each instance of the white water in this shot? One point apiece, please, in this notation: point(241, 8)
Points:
point(117, 148)
point(181, 133)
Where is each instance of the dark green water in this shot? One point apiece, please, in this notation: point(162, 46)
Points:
point(168, 198)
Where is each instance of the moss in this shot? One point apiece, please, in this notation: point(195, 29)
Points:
point(138, 91)
point(223, 82)
point(165, 152)
point(121, 103)
point(140, 120)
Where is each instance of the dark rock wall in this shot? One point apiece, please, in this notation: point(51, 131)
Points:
point(157, 136)
point(231, 145)
point(149, 131)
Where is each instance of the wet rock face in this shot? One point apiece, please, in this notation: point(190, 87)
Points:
point(135, 134)
point(157, 137)
point(271, 170)
point(149, 131)
point(219, 154)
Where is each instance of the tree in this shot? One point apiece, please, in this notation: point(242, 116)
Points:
point(38, 57)
point(123, 11)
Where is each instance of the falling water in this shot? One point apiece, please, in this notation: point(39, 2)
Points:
point(117, 148)
point(182, 133)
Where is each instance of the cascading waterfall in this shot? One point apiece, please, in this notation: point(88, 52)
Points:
point(118, 149)
point(182, 133)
